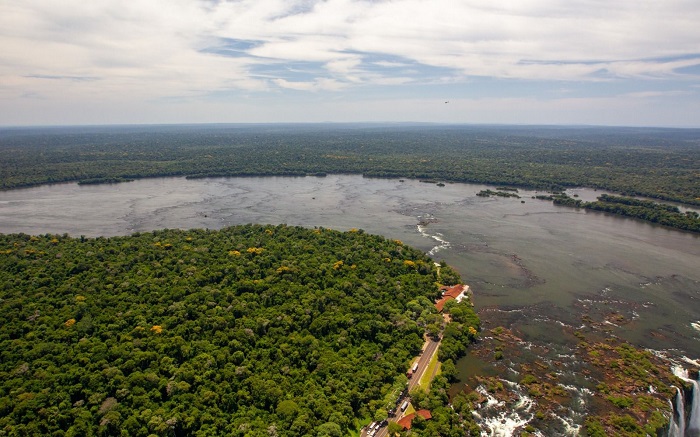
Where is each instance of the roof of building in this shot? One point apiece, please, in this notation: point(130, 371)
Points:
point(454, 292)
point(449, 293)
point(441, 303)
point(425, 414)
point(405, 421)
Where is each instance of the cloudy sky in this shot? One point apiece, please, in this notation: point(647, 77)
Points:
point(609, 62)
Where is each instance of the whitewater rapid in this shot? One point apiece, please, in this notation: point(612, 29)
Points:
point(442, 243)
point(682, 425)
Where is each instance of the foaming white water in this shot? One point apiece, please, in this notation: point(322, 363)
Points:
point(570, 428)
point(566, 356)
point(550, 320)
point(526, 345)
point(658, 353)
point(673, 428)
point(696, 325)
point(503, 425)
point(677, 425)
point(490, 400)
point(692, 429)
point(690, 361)
point(443, 244)
point(501, 310)
point(694, 418)
point(581, 396)
point(680, 372)
point(578, 390)
point(507, 419)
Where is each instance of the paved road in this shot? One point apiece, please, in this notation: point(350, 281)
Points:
point(430, 347)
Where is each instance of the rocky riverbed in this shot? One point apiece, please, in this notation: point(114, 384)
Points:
point(594, 381)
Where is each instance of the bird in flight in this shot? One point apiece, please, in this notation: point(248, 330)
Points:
point(447, 101)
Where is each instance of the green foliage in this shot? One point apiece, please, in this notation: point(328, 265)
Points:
point(529, 379)
point(455, 420)
point(448, 275)
point(499, 193)
point(627, 424)
point(393, 394)
point(449, 370)
point(394, 428)
point(460, 332)
point(634, 161)
point(594, 428)
point(329, 429)
point(380, 414)
point(657, 421)
point(190, 333)
point(647, 210)
point(621, 401)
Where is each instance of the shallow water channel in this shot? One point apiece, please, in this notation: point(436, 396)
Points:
point(532, 266)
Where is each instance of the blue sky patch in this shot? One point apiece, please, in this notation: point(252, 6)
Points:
point(234, 48)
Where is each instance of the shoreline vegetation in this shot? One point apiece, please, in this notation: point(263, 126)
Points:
point(98, 181)
point(646, 210)
point(656, 163)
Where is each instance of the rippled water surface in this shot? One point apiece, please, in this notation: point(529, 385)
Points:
point(531, 265)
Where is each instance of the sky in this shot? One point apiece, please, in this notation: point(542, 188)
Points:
point(595, 62)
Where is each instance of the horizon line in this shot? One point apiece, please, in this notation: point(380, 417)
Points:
point(346, 123)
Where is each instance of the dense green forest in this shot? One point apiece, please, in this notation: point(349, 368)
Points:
point(250, 331)
point(647, 210)
point(659, 163)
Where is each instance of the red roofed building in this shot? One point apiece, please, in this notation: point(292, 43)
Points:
point(440, 304)
point(448, 293)
point(405, 422)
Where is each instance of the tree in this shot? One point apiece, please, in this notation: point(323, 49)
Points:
point(380, 414)
point(448, 370)
point(394, 428)
point(287, 408)
point(329, 429)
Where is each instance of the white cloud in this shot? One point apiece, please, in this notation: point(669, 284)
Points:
point(162, 48)
point(390, 64)
point(319, 84)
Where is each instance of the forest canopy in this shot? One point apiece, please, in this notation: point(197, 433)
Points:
point(658, 163)
point(251, 330)
point(647, 210)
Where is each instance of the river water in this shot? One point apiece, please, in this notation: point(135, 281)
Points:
point(532, 266)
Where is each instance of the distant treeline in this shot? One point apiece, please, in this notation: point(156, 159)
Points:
point(98, 181)
point(667, 215)
point(658, 163)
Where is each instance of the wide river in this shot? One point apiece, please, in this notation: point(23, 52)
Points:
point(531, 265)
